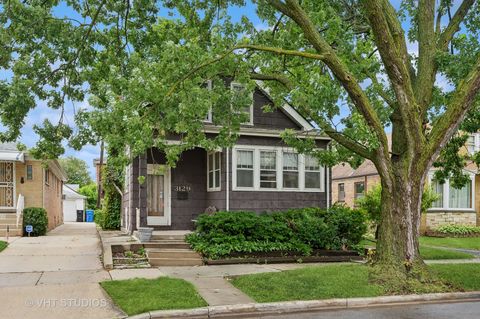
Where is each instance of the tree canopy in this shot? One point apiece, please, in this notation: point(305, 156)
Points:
point(76, 169)
point(347, 66)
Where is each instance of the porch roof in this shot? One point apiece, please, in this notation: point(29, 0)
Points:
point(12, 156)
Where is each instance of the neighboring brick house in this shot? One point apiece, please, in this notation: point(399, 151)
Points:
point(260, 173)
point(454, 206)
point(28, 182)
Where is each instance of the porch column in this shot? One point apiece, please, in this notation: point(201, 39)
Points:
point(142, 190)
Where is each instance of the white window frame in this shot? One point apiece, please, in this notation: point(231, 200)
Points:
point(232, 85)
point(476, 143)
point(256, 170)
point(260, 168)
point(321, 171)
point(446, 195)
point(217, 169)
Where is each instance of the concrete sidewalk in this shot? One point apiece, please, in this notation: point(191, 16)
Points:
point(55, 276)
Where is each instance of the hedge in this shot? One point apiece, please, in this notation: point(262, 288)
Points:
point(299, 230)
point(37, 217)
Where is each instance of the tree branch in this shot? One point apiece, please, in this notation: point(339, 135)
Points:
point(447, 35)
point(280, 51)
point(273, 77)
point(462, 100)
point(292, 9)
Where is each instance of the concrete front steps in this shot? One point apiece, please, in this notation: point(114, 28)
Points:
point(168, 248)
point(9, 220)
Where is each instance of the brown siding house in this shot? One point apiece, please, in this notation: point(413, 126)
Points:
point(260, 173)
point(28, 182)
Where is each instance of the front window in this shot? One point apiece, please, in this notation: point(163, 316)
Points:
point(312, 172)
point(29, 172)
point(461, 198)
point(244, 168)
point(213, 167)
point(359, 190)
point(471, 144)
point(268, 169)
point(290, 170)
point(438, 190)
point(341, 192)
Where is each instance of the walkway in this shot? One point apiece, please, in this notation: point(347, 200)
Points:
point(55, 276)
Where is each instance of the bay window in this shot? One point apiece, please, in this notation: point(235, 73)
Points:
point(268, 168)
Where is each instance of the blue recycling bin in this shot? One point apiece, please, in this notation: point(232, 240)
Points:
point(89, 216)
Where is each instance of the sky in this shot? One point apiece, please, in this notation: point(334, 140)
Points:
point(89, 152)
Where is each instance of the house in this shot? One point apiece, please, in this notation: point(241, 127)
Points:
point(454, 206)
point(260, 173)
point(28, 182)
point(73, 203)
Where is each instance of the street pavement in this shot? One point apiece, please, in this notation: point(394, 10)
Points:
point(464, 310)
point(55, 276)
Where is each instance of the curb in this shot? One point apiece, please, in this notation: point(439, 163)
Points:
point(272, 308)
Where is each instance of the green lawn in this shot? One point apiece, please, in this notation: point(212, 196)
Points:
point(465, 276)
point(137, 295)
point(466, 243)
point(429, 253)
point(3, 245)
point(338, 281)
point(323, 282)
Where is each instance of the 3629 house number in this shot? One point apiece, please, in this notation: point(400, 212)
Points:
point(182, 188)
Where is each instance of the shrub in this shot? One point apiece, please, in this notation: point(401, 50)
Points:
point(37, 217)
point(297, 230)
point(458, 230)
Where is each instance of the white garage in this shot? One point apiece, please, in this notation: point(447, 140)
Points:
point(72, 202)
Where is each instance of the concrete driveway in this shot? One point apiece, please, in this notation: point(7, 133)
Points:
point(55, 276)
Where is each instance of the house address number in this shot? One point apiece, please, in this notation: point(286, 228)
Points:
point(182, 188)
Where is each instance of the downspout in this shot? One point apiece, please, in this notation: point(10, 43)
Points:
point(227, 188)
point(328, 179)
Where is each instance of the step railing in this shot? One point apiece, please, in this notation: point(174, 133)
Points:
point(20, 207)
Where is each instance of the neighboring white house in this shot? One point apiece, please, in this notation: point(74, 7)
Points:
point(72, 202)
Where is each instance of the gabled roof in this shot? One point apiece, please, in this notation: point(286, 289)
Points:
point(71, 193)
point(344, 170)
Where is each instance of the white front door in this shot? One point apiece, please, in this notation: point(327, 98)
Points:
point(158, 195)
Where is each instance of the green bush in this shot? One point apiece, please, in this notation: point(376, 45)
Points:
point(37, 217)
point(458, 230)
point(298, 230)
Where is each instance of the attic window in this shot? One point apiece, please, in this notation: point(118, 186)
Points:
point(248, 110)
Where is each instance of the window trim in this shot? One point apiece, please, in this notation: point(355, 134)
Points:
point(47, 176)
point(476, 143)
point(217, 169)
point(260, 169)
point(250, 122)
point(355, 189)
point(256, 170)
point(446, 196)
point(26, 172)
point(344, 194)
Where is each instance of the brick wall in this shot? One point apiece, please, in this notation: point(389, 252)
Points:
point(53, 203)
point(349, 186)
point(435, 219)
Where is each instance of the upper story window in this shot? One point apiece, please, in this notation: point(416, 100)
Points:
point(359, 188)
point(247, 110)
point(341, 192)
point(451, 198)
point(473, 143)
point(275, 168)
point(214, 170)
